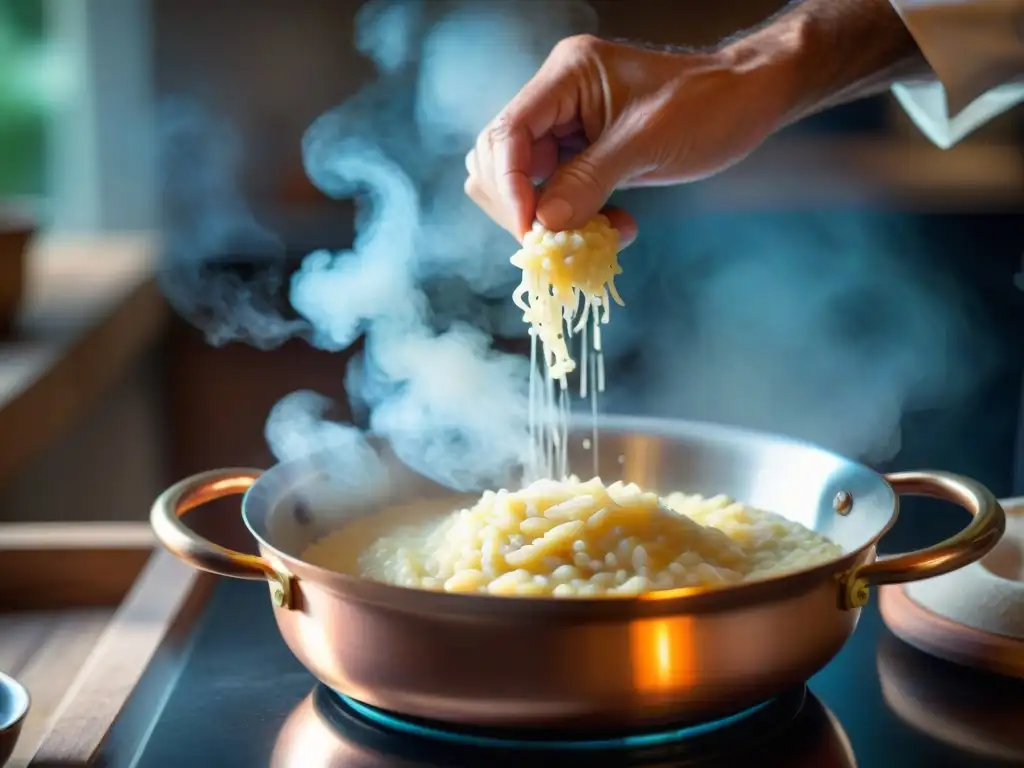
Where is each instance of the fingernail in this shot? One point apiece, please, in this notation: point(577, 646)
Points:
point(555, 213)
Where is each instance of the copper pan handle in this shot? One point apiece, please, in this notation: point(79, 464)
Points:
point(200, 553)
point(987, 525)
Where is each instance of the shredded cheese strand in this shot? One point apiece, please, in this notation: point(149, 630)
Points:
point(566, 277)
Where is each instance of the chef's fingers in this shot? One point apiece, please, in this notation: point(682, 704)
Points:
point(624, 223)
point(477, 192)
point(620, 219)
point(546, 105)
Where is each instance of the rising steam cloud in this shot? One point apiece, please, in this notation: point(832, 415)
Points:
point(817, 326)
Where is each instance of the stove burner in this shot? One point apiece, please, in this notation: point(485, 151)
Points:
point(396, 734)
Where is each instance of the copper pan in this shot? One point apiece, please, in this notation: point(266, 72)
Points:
point(679, 655)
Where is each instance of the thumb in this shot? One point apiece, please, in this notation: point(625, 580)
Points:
point(579, 189)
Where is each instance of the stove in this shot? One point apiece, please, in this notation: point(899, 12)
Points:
point(795, 730)
point(241, 699)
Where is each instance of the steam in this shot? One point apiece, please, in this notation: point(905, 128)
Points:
point(206, 222)
point(451, 406)
point(826, 327)
point(300, 426)
point(829, 327)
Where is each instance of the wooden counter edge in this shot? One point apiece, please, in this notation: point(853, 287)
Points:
point(53, 566)
point(137, 655)
point(60, 584)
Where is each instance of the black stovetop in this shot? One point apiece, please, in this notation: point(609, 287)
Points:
point(239, 688)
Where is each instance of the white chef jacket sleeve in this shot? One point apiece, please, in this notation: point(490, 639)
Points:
point(976, 50)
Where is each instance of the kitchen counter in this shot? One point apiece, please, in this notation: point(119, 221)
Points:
point(92, 308)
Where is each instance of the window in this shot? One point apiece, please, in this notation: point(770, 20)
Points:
point(24, 101)
point(75, 111)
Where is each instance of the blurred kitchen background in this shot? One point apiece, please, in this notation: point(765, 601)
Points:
point(107, 394)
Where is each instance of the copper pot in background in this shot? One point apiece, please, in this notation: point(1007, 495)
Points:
point(18, 225)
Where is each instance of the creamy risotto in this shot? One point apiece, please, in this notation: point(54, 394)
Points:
point(576, 538)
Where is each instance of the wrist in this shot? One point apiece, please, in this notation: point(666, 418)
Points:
point(822, 53)
point(773, 61)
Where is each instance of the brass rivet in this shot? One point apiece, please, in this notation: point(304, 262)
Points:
point(857, 594)
point(842, 503)
point(277, 596)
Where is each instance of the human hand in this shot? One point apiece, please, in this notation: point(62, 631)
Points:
point(628, 116)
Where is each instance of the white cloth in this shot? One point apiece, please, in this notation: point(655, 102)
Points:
point(976, 50)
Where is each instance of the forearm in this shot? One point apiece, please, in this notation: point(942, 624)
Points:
point(821, 53)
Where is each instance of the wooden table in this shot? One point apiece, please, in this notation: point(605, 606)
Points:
point(84, 611)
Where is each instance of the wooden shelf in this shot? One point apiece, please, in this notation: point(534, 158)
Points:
point(791, 172)
point(91, 310)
